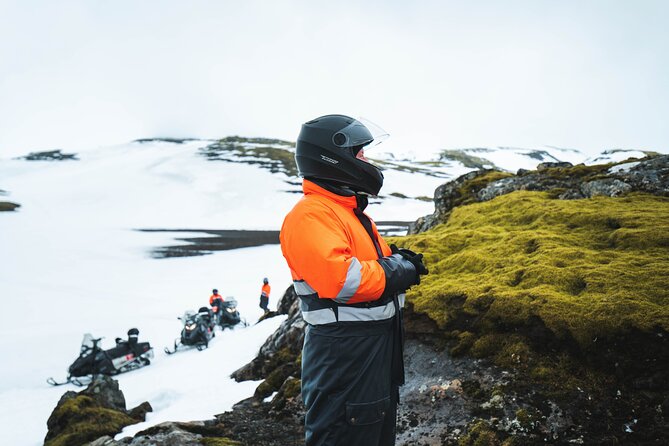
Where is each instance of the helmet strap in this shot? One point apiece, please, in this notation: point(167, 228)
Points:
point(362, 201)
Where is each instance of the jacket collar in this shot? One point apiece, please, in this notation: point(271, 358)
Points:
point(311, 188)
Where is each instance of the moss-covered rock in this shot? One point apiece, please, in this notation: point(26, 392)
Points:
point(466, 159)
point(561, 180)
point(272, 154)
point(97, 411)
point(480, 433)
point(82, 419)
point(525, 260)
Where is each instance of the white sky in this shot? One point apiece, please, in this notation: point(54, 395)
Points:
point(591, 75)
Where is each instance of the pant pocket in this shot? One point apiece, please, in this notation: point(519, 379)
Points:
point(362, 414)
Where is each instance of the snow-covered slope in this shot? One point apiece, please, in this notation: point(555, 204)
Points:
point(72, 261)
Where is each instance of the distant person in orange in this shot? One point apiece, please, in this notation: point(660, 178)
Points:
point(264, 295)
point(214, 296)
point(216, 302)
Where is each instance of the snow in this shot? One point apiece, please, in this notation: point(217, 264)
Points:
point(623, 167)
point(72, 262)
point(615, 156)
point(512, 159)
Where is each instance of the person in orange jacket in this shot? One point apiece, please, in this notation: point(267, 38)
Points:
point(264, 295)
point(350, 284)
point(216, 300)
point(215, 296)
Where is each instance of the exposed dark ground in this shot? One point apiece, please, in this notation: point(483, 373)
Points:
point(213, 240)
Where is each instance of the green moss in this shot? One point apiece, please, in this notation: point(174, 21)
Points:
point(479, 433)
point(486, 345)
point(212, 441)
point(468, 190)
point(467, 160)
point(526, 419)
point(465, 341)
point(252, 140)
point(85, 420)
point(292, 387)
point(582, 269)
point(272, 154)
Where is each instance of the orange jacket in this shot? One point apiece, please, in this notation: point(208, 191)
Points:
point(327, 247)
point(265, 290)
point(215, 296)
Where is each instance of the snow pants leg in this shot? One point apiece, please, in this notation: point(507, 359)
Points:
point(264, 301)
point(346, 385)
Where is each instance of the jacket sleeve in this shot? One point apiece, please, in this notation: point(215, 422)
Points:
point(400, 273)
point(318, 251)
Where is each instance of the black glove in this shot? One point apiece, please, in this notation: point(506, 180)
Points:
point(415, 259)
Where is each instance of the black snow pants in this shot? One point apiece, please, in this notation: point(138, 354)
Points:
point(347, 384)
point(264, 301)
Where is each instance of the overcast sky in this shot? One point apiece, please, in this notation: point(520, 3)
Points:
point(591, 75)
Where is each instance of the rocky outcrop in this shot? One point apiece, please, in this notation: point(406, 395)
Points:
point(8, 206)
point(562, 180)
point(279, 357)
point(96, 411)
point(50, 155)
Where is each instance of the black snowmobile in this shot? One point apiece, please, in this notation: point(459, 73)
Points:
point(92, 361)
point(197, 331)
point(217, 310)
point(229, 314)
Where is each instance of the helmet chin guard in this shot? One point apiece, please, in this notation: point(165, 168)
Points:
point(330, 148)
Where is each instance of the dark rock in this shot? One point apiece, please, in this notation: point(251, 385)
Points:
point(106, 392)
point(287, 301)
point(168, 434)
point(170, 140)
point(556, 165)
point(8, 206)
point(163, 434)
point(97, 411)
point(446, 197)
point(284, 345)
point(139, 412)
point(608, 187)
point(563, 180)
point(50, 155)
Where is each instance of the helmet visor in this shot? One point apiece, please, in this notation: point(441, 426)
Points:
point(360, 132)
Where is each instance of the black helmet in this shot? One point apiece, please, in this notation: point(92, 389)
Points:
point(215, 291)
point(329, 148)
point(265, 280)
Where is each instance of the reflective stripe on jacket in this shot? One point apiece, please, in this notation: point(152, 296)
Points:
point(331, 256)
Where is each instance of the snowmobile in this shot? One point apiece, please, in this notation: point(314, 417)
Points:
point(93, 360)
point(229, 314)
point(217, 310)
point(197, 331)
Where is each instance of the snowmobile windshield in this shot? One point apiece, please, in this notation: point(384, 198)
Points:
point(86, 345)
point(359, 133)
